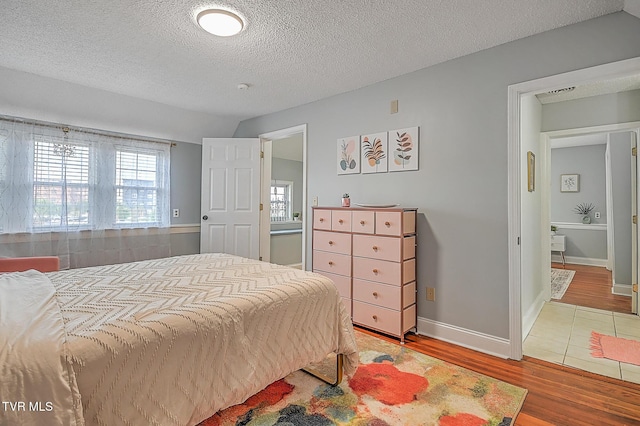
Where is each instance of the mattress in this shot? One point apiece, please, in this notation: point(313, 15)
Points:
point(172, 341)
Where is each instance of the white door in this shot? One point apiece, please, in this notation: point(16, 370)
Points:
point(230, 221)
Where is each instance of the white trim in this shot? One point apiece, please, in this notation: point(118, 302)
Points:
point(188, 228)
point(575, 260)
point(529, 318)
point(466, 338)
point(306, 211)
point(622, 290)
point(514, 93)
point(583, 226)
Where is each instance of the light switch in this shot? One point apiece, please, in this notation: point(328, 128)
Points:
point(315, 200)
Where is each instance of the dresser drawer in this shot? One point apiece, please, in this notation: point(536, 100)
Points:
point(409, 247)
point(396, 223)
point(557, 243)
point(332, 241)
point(363, 221)
point(341, 220)
point(385, 295)
point(383, 319)
point(380, 271)
point(322, 219)
point(331, 262)
point(376, 247)
point(342, 282)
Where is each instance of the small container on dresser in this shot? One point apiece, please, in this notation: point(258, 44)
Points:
point(370, 254)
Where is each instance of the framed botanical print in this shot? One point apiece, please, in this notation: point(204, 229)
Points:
point(570, 183)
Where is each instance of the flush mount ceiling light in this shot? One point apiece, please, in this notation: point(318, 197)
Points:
point(220, 22)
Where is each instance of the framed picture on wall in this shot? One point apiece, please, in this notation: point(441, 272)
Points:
point(531, 171)
point(570, 183)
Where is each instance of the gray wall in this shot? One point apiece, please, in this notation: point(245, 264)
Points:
point(186, 165)
point(461, 187)
point(620, 149)
point(589, 163)
point(604, 109)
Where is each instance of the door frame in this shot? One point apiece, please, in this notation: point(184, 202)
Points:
point(514, 181)
point(265, 218)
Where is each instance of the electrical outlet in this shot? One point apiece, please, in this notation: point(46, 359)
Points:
point(431, 294)
point(315, 200)
point(176, 212)
point(597, 215)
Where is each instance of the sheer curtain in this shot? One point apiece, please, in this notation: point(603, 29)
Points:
point(88, 197)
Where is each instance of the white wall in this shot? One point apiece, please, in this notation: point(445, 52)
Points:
point(461, 187)
point(532, 297)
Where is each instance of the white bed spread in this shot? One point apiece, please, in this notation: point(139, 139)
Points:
point(37, 385)
point(172, 341)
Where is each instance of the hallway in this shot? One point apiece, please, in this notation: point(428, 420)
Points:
point(561, 333)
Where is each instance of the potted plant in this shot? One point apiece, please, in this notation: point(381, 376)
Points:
point(584, 209)
point(296, 215)
point(346, 201)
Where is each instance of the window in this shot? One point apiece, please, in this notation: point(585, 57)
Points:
point(60, 184)
point(137, 187)
point(60, 180)
point(281, 194)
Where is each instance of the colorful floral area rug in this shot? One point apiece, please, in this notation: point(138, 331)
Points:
point(392, 386)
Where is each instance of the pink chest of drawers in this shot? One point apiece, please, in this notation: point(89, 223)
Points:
point(370, 256)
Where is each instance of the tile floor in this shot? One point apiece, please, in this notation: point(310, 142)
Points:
point(561, 335)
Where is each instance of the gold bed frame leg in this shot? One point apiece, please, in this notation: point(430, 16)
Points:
point(326, 379)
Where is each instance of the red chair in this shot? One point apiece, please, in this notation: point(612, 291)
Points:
point(39, 263)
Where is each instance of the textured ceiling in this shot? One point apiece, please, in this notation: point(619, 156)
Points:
point(291, 52)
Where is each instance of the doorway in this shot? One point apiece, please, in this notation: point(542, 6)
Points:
point(519, 125)
point(284, 197)
point(559, 332)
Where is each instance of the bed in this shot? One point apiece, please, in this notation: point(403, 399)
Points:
point(164, 342)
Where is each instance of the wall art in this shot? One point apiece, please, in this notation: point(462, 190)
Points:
point(404, 149)
point(348, 155)
point(374, 153)
point(570, 183)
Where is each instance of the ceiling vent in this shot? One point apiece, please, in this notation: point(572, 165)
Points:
point(564, 90)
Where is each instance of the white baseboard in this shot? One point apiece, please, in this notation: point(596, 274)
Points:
point(470, 339)
point(579, 260)
point(531, 315)
point(622, 290)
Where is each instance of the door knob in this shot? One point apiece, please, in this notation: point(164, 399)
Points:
point(205, 217)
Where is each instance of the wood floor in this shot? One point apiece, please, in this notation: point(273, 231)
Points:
point(591, 287)
point(557, 395)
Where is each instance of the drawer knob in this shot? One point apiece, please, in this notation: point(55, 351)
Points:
point(387, 224)
point(375, 318)
point(375, 294)
point(330, 243)
point(375, 271)
point(322, 219)
point(375, 248)
point(362, 222)
point(330, 263)
point(341, 221)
